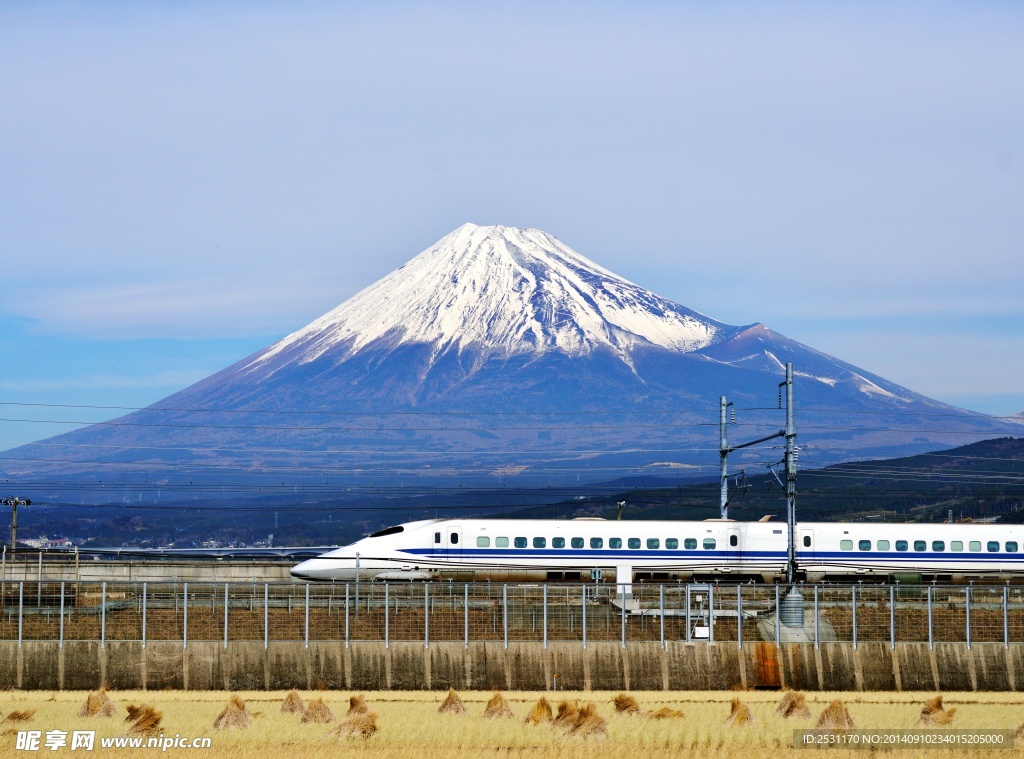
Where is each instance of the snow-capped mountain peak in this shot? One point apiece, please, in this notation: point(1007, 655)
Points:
point(502, 291)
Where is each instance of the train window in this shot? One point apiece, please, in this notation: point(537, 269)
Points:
point(920, 545)
point(734, 540)
point(437, 537)
point(520, 542)
point(576, 542)
point(483, 542)
point(615, 542)
point(845, 545)
point(501, 542)
point(975, 546)
point(938, 545)
point(709, 543)
point(540, 542)
point(690, 544)
point(956, 545)
point(653, 543)
point(992, 546)
point(671, 543)
point(1011, 547)
point(597, 542)
point(883, 545)
point(455, 538)
point(901, 545)
point(633, 542)
point(807, 541)
point(863, 545)
point(558, 542)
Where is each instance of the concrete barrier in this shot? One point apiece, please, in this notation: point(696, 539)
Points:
point(123, 665)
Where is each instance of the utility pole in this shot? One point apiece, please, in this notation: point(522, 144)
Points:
point(723, 454)
point(790, 474)
point(789, 434)
point(14, 503)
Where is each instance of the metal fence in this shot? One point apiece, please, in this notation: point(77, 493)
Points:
point(451, 611)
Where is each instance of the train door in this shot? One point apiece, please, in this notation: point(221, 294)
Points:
point(453, 541)
point(732, 546)
point(805, 547)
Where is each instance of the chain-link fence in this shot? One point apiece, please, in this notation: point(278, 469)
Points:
point(453, 611)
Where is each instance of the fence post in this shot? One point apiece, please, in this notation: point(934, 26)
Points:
point(545, 588)
point(892, 617)
point(739, 617)
point(622, 597)
point(584, 617)
point(307, 615)
point(967, 606)
point(816, 617)
point(426, 615)
point(504, 612)
point(1006, 617)
point(346, 615)
point(687, 612)
point(853, 604)
point(21, 609)
point(661, 606)
point(143, 615)
point(62, 614)
point(184, 625)
point(227, 604)
point(931, 639)
point(465, 612)
point(266, 616)
point(711, 613)
point(778, 618)
point(103, 616)
point(387, 616)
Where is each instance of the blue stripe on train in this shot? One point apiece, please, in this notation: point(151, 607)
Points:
point(699, 555)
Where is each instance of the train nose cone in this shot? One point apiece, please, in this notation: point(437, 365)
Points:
point(313, 569)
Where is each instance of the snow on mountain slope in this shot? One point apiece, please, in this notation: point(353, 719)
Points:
point(504, 292)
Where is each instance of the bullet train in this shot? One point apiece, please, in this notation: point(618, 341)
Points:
point(716, 549)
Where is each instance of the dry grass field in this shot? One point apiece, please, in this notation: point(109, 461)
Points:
point(408, 725)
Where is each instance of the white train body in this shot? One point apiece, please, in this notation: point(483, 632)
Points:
point(627, 551)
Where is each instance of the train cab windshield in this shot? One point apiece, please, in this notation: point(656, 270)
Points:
point(388, 531)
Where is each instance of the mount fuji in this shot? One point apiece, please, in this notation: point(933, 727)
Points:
point(502, 353)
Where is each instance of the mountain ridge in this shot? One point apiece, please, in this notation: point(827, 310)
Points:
point(502, 352)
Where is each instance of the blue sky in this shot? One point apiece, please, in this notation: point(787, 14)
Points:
point(183, 183)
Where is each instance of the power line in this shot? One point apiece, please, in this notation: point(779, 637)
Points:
point(585, 412)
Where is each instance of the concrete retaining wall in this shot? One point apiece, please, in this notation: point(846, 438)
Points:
point(522, 666)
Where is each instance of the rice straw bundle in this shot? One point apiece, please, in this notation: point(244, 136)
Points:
point(665, 713)
point(234, 715)
point(98, 704)
point(147, 722)
point(292, 703)
point(452, 704)
point(589, 724)
point(317, 712)
point(933, 714)
point(793, 706)
point(498, 708)
point(17, 716)
point(740, 714)
point(626, 704)
point(360, 724)
point(836, 717)
point(567, 713)
point(541, 712)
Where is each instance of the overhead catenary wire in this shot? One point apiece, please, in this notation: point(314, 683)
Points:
point(509, 412)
